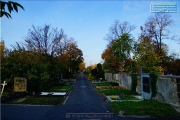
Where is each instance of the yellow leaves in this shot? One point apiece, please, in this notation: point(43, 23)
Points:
point(71, 55)
point(107, 54)
point(147, 56)
point(82, 66)
point(93, 66)
point(159, 69)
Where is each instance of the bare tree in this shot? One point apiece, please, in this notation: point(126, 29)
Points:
point(118, 29)
point(157, 28)
point(45, 40)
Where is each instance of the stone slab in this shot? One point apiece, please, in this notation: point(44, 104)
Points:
point(53, 93)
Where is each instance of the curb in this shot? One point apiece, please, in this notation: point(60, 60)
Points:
point(66, 99)
point(72, 86)
point(68, 95)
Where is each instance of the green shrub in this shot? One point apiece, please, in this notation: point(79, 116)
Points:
point(134, 83)
point(153, 78)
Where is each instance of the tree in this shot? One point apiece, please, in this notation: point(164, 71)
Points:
point(82, 66)
point(157, 29)
point(94, 73)
point(100, 71)
point(44, 55)
point(151, 52)
point(118, 29)
point(45, 40)
point(172, 64)
point(110, 62)
point(2, 48)
point(117, 52)
point(146, 56)
point(72, 56)
point(122, 47)
point(11, 7)
point(75, 55)
point(119, 47)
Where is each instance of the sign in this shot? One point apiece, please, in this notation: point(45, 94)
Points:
point(20, 84)
point(165, 7)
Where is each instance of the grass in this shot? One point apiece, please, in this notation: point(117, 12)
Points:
point(38, 100)
point(106, 84)
point(111, 88)
point(66, 88)
point(147, 107)
point(151, 108)
point(115, 92)
point(42, 100)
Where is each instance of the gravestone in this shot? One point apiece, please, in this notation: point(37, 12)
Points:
point(20, 84)
point(146, 90)
point(3, 84)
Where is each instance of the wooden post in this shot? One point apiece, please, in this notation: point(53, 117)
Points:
point(3, 87)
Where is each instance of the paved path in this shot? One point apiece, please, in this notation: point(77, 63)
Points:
point(85, 99)
point(84, 102)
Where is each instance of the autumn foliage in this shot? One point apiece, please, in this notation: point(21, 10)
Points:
point(124, 53)
point(45, 57)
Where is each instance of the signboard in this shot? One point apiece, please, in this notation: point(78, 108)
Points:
point(166, 7)
point(20, 84)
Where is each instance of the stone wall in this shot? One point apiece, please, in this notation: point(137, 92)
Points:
point(123, 79)
point(108, 76)
point(168, 89)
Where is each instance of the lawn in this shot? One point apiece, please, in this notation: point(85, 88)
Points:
point(66, 88)
point(147, 107)
point(111, 88)
point(41, 100)
point(115, 92)
point(106, 84)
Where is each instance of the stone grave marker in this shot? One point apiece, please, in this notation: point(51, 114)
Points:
point(20, 84)
point(3, 84)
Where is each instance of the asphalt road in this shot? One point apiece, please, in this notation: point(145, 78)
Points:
point(83, 103)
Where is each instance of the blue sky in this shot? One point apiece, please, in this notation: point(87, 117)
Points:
point(87, 22)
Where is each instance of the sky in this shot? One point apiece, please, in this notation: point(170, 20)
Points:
point(87, 21)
